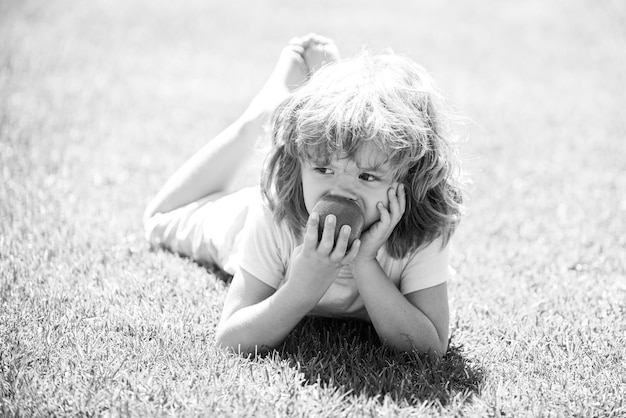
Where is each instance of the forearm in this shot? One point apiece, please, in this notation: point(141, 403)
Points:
point(398, 323)
point(257, 317)
point(266, 324)
point(209, 169)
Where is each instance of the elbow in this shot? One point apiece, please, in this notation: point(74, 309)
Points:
point(153, 232)
point(433, 350)
point(227, 343)
point(439, 347)
point(443, 347)
point(151, 211)
point(434, 346)
point(436, 349)
point(223, 342)
point(444, 338)
point(237, 348)
point(148, 215)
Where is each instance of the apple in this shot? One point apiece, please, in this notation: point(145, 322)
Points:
point(347, 212)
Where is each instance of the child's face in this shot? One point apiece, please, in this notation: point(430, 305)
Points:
point(363, 179)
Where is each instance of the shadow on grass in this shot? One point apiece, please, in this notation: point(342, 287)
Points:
point(349, 356)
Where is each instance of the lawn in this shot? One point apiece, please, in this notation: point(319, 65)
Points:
point(100, 101)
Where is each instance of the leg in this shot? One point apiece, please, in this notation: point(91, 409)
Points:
point(289, 73)
point(209, 170)
point(302, 57)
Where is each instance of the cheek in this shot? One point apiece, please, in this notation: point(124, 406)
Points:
point(310, 193)
point(371, 217)
point(309, 202)
point(372, 214)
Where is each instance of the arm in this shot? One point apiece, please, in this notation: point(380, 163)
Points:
point(418, 320)
point(256, 317)
point(209, 170)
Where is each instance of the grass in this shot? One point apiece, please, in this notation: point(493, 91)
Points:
point(100, 101)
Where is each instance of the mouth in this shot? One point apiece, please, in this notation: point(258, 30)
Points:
point(339, 198)
point(346, 211)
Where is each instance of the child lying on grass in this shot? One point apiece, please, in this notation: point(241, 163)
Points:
point(372, 130)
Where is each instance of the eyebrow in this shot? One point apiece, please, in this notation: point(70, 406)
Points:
point(376, 169)
point(380, 169)
point(360, 167)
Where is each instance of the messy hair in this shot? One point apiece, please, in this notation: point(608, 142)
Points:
point(387, 101)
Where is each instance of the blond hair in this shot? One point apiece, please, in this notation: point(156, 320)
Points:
point(384, 100)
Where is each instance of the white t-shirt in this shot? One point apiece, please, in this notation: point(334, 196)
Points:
point(239, 230)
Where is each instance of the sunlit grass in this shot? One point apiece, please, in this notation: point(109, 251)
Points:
point(100, 101)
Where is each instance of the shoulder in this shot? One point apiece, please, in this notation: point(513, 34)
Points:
point(425, 267)
point(266, 245)
point(261, 220)
point(430, 252)
point(434, 250)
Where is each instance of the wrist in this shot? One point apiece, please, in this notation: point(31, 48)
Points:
point(362, 265)
point(305, 297)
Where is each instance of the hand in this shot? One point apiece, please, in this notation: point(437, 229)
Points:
point(315, 265)
point(378, 234)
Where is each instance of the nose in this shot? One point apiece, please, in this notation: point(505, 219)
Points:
point(344, 187)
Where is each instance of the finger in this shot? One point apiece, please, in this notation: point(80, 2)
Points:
point(328, 235)
point(402, 198)
point(296, 48)
point(297, 41)
point(385, 218)
point(319, 39)
point(394, 205)
point(310, 235)
point(341, 246)
point(332, 51)
point(397, 203)
point(354, 251)
point(307, 39)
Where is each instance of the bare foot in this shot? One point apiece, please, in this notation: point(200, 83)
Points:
point(319, 51)
point(289, 73)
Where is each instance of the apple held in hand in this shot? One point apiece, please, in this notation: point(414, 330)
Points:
point(347, 212)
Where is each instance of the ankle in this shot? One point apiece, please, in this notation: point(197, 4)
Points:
point(252, 121)
point(254, 116)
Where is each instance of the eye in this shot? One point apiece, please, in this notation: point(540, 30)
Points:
point(368, 177)
point(323, 170)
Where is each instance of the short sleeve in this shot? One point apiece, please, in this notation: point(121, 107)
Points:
point(265, 247)
point(181, 231)
point(206, 230)
point(426, 268)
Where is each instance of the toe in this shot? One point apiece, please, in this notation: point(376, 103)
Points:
point(298, 49)
point(322, 40)
point(297, 41)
